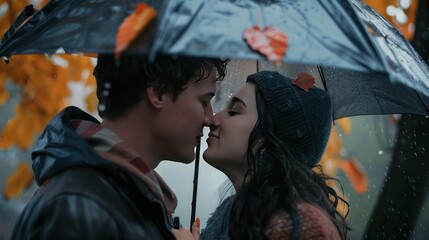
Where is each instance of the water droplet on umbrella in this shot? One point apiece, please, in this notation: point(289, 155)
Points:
point(380, 152)
point(6, 59)
point(116, 8)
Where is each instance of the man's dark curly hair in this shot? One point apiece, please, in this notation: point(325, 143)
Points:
point(122, 84)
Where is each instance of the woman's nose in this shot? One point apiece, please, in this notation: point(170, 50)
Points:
point(217, 119)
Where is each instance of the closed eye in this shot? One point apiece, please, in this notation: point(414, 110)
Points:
point(205, 103)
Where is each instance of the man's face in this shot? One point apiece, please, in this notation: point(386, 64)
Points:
point(181, 122)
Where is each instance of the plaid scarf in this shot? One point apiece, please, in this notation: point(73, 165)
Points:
point(114, 149)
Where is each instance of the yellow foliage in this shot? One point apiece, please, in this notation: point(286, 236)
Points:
point(18, 181)
point(407, 28)
point(332, 161)
point(4, 95)
point(44, 86)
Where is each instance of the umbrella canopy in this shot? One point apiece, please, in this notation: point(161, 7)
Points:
point(366, 65)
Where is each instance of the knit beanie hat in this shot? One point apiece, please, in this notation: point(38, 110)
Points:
point(302, 117)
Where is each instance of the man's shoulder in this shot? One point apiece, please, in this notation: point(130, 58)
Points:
point(82, 180)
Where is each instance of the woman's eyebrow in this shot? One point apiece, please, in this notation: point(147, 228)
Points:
point(235, 100)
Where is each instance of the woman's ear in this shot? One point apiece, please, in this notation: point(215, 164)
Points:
point(154, 99)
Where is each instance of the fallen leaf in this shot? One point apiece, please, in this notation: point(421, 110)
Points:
point(270, 41)
point(132, 26)
point(304, 81)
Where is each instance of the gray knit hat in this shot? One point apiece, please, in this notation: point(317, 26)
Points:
point(302, 117)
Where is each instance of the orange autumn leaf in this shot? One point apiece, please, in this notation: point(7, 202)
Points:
point(345, 125)
point(304, 81)
point(356, 175)
point(4, 95)
point(131, 27)
point(18, 181)
point(270, 41)
point(92, 101)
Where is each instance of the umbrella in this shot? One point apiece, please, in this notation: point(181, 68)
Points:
point(362, 61)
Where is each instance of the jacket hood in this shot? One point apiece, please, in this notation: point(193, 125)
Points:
point(60, 148)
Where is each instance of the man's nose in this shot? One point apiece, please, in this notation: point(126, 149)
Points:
point(208, 116)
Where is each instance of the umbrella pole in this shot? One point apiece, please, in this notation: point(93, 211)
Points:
point(322, 77)
point(194, 192)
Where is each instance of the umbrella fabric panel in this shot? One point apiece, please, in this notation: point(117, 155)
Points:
point(402, 62)
point(319, 32)
point(357, 93)
point(237, 72)
point(80, 26)
point(352, 93)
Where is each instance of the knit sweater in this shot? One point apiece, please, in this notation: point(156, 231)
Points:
point(217, 224)
point(315, 223)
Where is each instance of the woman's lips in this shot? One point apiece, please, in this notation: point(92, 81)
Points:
point(212, 136)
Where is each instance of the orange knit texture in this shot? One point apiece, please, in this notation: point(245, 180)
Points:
point(315, 224)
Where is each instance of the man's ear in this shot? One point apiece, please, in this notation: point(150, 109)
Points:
point(154, 99)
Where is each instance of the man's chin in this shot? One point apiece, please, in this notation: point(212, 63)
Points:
point(187, 159)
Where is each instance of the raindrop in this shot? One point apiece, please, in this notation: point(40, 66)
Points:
point(340, 134)
point(401, 17)
point(116, 8)
point(106, 92)
point(107, 85)
point(405, 4)
point(101, 107)
point(380, 152)
point(391, 10)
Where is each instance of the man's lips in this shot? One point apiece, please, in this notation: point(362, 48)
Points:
point(212, 135)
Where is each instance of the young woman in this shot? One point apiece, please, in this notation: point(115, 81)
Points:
point(267, 141)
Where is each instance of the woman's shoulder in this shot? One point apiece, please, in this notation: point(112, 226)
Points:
point(315, 224)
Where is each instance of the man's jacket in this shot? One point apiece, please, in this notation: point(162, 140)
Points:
point(84, 196)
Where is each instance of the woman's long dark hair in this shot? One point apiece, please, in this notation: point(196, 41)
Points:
point(274, 181)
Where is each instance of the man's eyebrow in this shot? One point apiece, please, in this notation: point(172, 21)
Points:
point(236, 99)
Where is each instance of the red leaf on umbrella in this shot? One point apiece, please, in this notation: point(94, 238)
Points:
point(304, 81)
point(270, 41)
point(131, 27)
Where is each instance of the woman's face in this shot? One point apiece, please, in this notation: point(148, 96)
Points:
point(229, 135)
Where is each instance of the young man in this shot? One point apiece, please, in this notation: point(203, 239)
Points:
point(97, 180)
